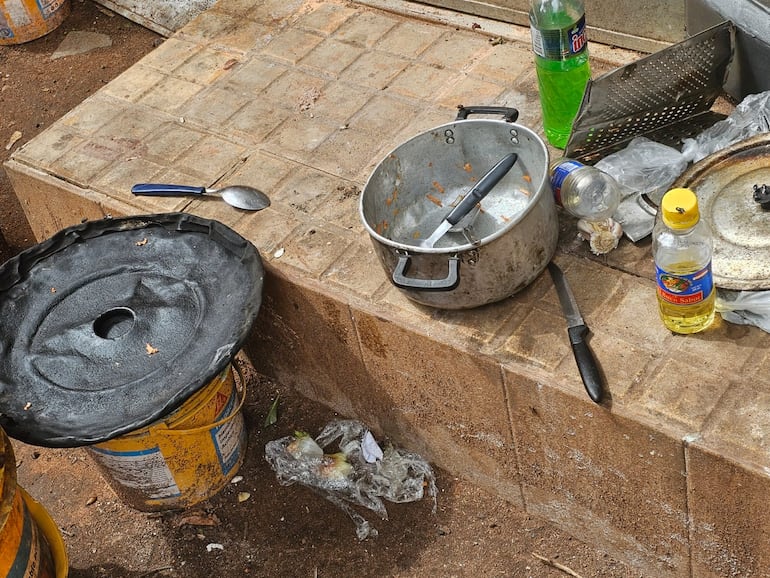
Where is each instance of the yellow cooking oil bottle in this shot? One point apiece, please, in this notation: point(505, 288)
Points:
point(682, 246)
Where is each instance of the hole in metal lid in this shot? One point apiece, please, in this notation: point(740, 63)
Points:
point(115, 323)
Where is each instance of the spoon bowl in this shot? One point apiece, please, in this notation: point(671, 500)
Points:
point(238, 196)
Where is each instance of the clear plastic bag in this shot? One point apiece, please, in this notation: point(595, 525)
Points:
point(359, 473)
point(644, 166)
point(750, 117)
point(647, 168)
point(745, 307)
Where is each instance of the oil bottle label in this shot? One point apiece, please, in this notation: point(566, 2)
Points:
point(684, 289)
point(560, 173)
point(560, 44)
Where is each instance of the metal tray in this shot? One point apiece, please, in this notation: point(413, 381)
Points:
point(724, 183)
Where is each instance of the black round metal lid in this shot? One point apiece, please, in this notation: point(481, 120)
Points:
point(110, 325)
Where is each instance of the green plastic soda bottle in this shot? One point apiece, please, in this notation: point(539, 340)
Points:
point(561, 59)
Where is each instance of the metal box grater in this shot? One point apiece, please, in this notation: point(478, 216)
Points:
point(666, 97)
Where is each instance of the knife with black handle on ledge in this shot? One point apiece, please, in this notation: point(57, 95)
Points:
point(577, 330)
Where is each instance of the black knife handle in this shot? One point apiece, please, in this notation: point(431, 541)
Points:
point(586, 362)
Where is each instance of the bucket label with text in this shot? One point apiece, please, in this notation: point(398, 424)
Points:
point(49, 7)
point(5, 30)
point(144, 470)
point(227, 437)
point(25, 20)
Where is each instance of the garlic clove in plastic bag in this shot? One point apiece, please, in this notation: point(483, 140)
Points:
point(602, 236)
point(335, 467)
point(304, 447)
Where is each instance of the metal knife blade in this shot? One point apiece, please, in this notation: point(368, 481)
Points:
point(577, 331)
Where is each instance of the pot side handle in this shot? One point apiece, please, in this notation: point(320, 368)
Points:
point(509, 114)
point(446, 284)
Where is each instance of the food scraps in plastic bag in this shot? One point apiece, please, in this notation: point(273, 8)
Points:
point(360, 473)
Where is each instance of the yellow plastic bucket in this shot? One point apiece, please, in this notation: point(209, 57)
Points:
point(25, 20)
point(183, 459)
point(51, 533)
point(30, 543)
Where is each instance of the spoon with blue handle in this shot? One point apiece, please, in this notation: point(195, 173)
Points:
point(238, 196)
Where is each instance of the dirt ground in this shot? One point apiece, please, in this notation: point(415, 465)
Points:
point(279, 530)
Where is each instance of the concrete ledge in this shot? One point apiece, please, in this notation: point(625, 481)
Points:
point(162, 16)
point(303, 100)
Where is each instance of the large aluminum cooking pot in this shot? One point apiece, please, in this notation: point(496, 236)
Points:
point(411, 191)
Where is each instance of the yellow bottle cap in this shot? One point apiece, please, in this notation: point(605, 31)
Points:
point(679, 209)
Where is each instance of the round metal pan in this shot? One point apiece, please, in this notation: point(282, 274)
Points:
point(724, 183)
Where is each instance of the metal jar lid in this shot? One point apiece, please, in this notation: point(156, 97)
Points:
point(724, 184)
point(110, 325)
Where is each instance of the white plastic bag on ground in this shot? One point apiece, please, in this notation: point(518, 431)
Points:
point(745, 307)
point(348, 476)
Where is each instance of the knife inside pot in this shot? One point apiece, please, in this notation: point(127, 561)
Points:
point(474, 196)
